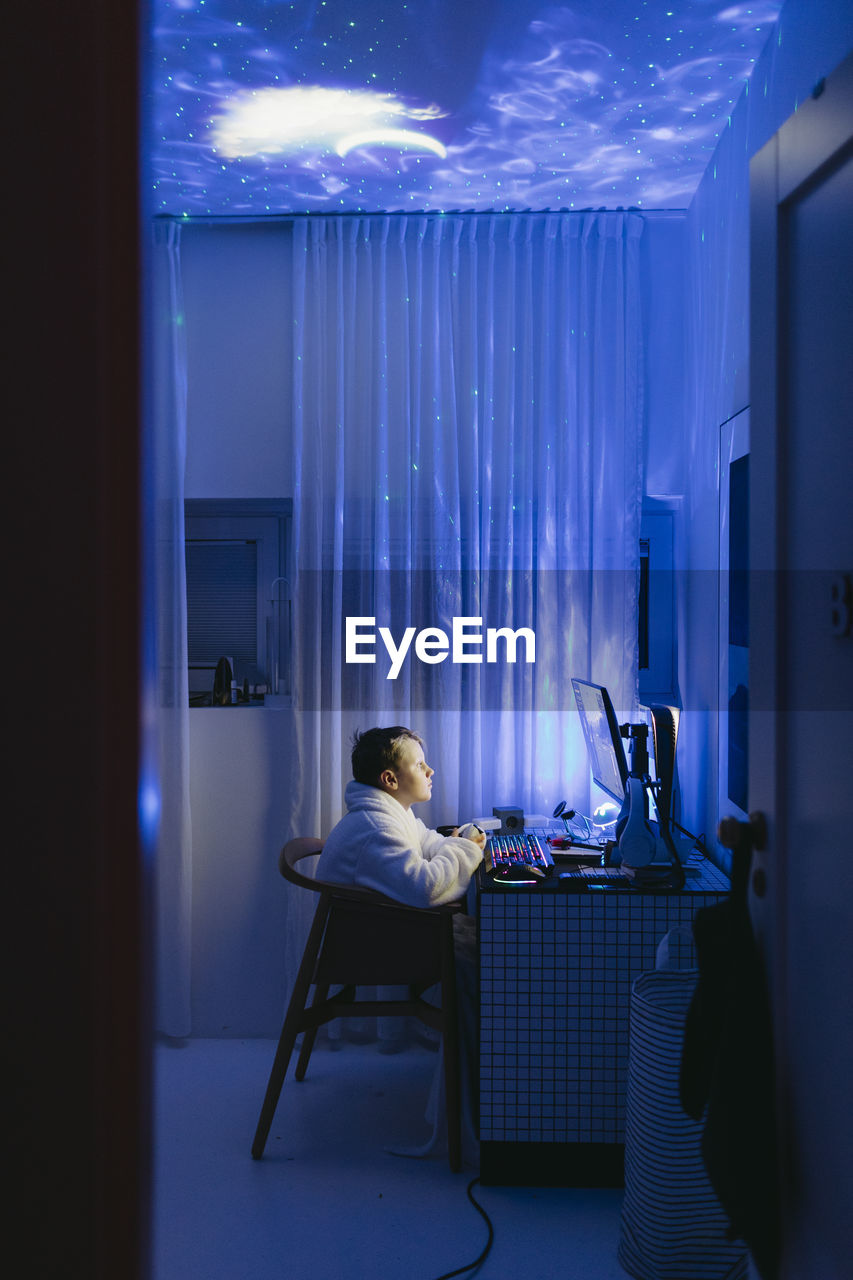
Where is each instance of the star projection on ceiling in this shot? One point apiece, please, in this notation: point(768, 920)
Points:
point(268, 106)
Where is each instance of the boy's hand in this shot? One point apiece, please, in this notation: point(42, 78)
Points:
point(473, 833)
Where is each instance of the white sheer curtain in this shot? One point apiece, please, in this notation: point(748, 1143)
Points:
point(168, 707)
point(466, 435)
point(465, 426)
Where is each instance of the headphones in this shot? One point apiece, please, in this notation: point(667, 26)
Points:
point(638, 844)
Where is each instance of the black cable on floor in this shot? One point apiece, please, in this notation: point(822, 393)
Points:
point(482, 1256)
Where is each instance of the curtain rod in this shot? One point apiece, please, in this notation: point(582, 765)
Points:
point(226, 218)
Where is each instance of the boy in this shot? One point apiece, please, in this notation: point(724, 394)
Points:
point(380, 844)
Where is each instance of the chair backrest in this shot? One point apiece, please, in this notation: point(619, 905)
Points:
point(293, 852)
point(368, 937)
point(308, 846)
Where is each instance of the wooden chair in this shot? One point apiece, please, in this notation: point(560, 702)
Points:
point(361, 938)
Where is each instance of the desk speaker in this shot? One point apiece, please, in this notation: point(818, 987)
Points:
point(512, 821)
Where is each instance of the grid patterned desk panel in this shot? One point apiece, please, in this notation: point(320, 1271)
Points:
point(556, 969)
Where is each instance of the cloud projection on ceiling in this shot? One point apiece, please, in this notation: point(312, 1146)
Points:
point(267, 106)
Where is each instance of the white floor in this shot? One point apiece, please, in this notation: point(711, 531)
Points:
point(327, 1201)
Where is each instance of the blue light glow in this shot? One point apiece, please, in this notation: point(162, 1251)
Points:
point(319, 105)
point(149, 807)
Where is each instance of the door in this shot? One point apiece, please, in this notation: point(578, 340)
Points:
point(801, 643)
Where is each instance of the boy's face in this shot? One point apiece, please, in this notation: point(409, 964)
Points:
point(411, 782)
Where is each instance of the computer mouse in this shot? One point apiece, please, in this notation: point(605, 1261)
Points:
point(517, 873)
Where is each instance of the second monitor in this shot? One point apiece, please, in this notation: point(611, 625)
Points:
point(631, 786)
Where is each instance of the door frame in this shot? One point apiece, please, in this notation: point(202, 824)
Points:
point(809, 145)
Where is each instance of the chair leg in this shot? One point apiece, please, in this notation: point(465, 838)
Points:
point(320, 993)
point(290, 1030)
point(451, 1051)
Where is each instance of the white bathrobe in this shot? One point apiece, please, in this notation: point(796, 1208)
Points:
point(380, 845)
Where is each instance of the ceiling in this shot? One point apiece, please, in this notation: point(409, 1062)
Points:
point(268, 106)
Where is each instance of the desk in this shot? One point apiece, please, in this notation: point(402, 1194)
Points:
point(556, 966)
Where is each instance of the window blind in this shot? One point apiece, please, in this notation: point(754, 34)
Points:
point(222, 591)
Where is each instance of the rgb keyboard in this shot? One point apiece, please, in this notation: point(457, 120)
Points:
point(509, 851)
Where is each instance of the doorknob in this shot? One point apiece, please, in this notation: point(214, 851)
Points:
point(742, 838)
point(733, 833)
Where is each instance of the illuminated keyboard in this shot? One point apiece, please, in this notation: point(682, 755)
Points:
point(509, 851)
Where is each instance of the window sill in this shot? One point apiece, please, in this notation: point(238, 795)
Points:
point(281, 702)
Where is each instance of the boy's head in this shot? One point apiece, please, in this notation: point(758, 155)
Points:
point(392, 760)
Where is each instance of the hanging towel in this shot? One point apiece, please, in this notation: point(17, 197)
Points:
point(727, 1074)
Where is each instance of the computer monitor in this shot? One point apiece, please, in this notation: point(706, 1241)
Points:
point(603, 743)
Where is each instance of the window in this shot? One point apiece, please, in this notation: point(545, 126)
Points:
point(238, 597)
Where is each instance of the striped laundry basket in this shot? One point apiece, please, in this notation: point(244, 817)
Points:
point(673, 1227)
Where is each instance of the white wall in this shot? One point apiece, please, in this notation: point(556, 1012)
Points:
point(238, 396)
point(811, 37)
point(241, 766)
